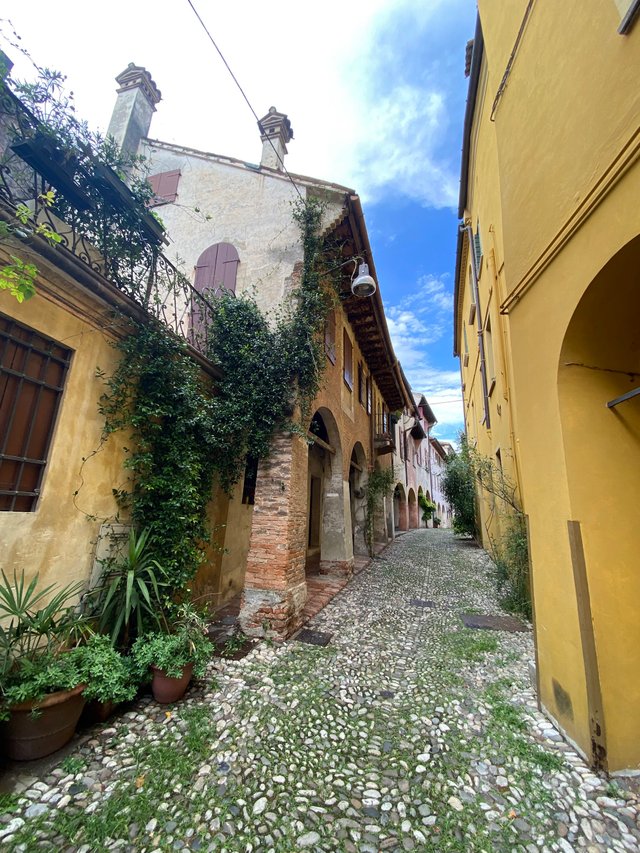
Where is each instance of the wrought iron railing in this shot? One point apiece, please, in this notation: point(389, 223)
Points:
point(96, 219)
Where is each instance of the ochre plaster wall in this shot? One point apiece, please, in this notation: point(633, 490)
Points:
point(57, 539)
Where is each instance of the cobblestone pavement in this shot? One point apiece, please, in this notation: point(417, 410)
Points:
point(406, 732)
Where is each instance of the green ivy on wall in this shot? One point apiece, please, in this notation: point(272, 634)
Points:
point(187, 435)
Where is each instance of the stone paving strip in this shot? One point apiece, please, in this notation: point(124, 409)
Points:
point(407, 731)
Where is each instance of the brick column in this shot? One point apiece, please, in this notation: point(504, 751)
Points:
point(275, 588)
point(413, 515)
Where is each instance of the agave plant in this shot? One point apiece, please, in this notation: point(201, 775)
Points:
point(128, 594)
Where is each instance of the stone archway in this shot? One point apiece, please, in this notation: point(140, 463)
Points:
point(400, 515)
point(413, 510)
point(329, 536)
point(599, 365)
point(358, 477)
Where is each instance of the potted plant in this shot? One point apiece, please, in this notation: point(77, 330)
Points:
point(41, 677)
point(110, 677)
point(127, 599)
point(174, 654)
point(436, 521)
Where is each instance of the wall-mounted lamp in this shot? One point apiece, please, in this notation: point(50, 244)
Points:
point(363, 285)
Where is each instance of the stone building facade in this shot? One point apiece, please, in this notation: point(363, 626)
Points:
point(307, 514)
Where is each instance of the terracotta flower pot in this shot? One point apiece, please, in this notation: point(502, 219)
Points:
point(97, 712)
point(166, 689)
point(26, 737)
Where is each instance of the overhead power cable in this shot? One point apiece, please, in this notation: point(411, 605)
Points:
point(242, 92)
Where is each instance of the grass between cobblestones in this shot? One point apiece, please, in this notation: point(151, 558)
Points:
point(401, 735)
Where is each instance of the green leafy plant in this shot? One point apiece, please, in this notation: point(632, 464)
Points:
point(73, 764)
point(183, 436)
point(379, 484)
point(39, 630)
point(184, 640)
point(109, 676)
point(128, 597)
point(458, 485)
point(233, 644)
point(428, 507)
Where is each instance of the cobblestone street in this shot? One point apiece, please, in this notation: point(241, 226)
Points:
point(406, 732)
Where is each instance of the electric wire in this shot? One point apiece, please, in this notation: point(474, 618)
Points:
point(242, 92)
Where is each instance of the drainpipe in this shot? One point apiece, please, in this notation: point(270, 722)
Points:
point(476, 296)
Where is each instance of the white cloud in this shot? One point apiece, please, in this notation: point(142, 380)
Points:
point(361, 115)
point(419, 320)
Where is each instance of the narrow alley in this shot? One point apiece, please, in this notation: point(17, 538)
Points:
point(407, 731)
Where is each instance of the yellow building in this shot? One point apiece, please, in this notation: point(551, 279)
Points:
point(546, 326)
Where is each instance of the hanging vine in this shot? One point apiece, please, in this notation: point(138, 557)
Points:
point(185, 434)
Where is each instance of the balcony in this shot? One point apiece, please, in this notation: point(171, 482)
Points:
point(98, 222)
point(384, 434)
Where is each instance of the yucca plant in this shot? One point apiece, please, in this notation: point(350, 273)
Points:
point(37, 629)
point(127, 599)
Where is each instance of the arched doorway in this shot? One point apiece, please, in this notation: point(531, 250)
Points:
point(400, 517)
point(599, 404)
point(329, 538)
point(358, 476)
point(413, 510)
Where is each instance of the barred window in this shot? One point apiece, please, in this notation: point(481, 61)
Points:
point(32, 375)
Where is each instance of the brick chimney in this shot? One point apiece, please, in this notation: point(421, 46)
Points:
point(275, 132)
point(135, 105)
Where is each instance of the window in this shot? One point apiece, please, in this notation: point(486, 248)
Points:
point(361, 391)
point(491, 370)
point(330, 336)
point(400, 441)
point(472, 304)
point(368, 395)
point(477, 249)
point(250, 479)
point(217, 268)
point(32, 374)
point(465, 355)
point(347, 365)
point(164, 186)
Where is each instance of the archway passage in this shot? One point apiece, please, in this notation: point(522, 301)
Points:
point(599, 370)
point(358, 476)
point(329, 537)
point(400, 515)
point(413, 510)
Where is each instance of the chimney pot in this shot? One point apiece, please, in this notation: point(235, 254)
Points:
point(275, 131)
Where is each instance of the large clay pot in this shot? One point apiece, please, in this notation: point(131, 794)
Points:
point(166, 689)
point(97, 712)
point(26, 737)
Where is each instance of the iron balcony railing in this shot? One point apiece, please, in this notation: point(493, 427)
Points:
point(96, 219)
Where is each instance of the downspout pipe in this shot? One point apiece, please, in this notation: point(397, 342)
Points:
point(476, 296)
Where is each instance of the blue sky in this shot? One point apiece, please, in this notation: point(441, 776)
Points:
point(375, 90)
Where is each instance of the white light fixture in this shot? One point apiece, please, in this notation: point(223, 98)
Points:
point(363, 285)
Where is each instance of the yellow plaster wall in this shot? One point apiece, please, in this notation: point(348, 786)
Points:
point(560, 166)
point(57, 539)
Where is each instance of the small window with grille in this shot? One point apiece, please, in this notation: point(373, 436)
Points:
point(33, 369)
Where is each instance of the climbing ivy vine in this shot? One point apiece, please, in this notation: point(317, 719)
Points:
point(379, 484)
point(185, 434)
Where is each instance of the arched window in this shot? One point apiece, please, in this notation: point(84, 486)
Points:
point(217, 268)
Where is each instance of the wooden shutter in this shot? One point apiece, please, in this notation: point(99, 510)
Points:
point(477, 249)
point(32, 374)
point(368, 395)
point(165, 186)
point(217, 269)
point(330, 336)
point(347, 369)
point(361, 392)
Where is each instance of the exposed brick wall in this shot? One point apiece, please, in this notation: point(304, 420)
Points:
point(414, 520)
point(336, 567)
point(275, 586)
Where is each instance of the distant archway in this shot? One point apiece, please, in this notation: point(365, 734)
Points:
point(400, 515)
point(329, 542)
point(358, 477)
point(413, 510)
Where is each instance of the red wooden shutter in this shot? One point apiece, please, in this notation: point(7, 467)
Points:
point(165, 185)
point(330, 337)
point(217, 268)
point(347, 371)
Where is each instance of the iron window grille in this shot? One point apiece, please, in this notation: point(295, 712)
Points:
point(33, 369)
